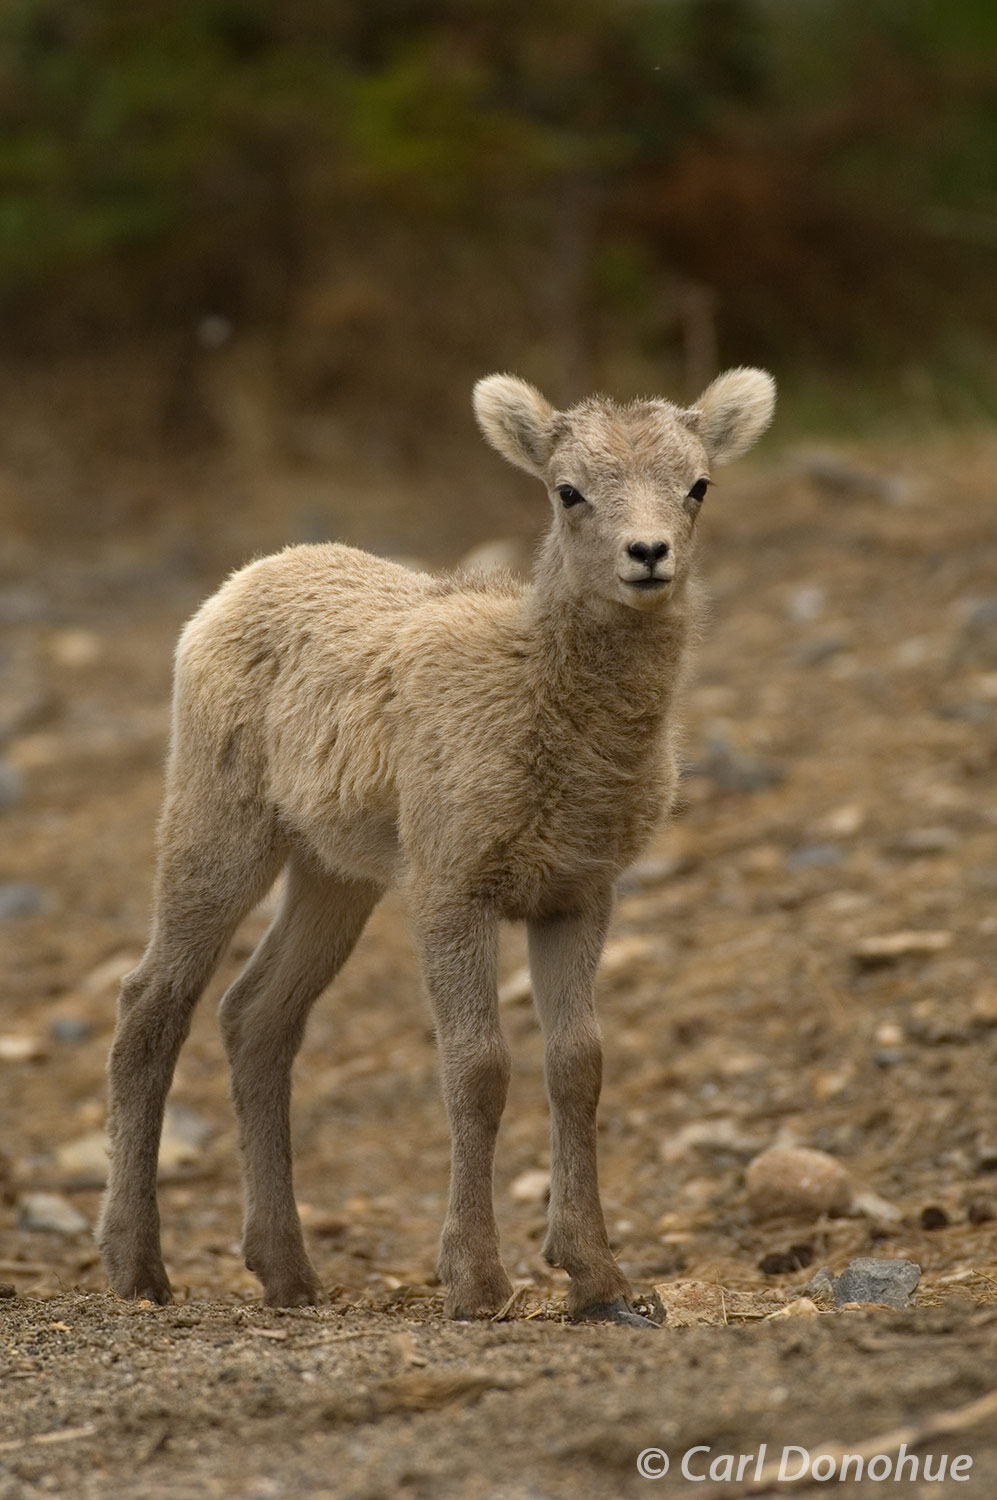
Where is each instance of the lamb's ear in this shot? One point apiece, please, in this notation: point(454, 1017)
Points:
point(516, 420)
point(733, 412)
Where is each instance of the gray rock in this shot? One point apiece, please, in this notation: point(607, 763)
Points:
point(721, 1136)
point(821, 1286)
point(814, 856)
point(19, 899)
point(50, 1211)
point(868, 1279)
point(977, 642)
point(888, 1057)
point(813, 653)
point(837, 476)
point(185, 1126)
point(806, 602)
point(23, 605)
point(10, 785)
point(736, 770)
point(71, 1029)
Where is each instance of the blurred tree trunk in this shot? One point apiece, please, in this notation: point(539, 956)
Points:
point(570, 311)
point(698, 319)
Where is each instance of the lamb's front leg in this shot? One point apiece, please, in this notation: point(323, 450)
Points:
point(459, 946)
point(564, 957)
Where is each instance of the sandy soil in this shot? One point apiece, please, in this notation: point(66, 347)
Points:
point(842, 747)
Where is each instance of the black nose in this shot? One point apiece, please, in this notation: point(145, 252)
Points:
point(648, 553)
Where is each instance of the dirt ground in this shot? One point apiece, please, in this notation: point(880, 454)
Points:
point(841, 749)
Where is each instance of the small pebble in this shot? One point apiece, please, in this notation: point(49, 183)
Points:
point(75, 648)
point(934, 1218)
point(814, 857)
point(837, 475)
point(107, 976)
point(891, 946)
point(71, 1029)
point(844, 821)
point(185, 1126)
point(736, 770)
point(6, 1290)
point(19, 899)
point(721, 1136)
point(795, 1180)
point(871, 1206)
point(647, 873)
point(824, 648)
point(531, 1187)
point(986, 1156)
point(800, 1307)
point(977, 643)
point(14, 1048)
point(917, 841)
point(806, 602)
point(10, 785)
point(501, 555)
point(821, 1286)
point(85, 1158)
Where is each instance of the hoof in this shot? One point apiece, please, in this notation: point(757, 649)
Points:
point(464, 1306)
point(296, 1293)
point(136, 1279)
point(618, 1311)
point(145, 1289)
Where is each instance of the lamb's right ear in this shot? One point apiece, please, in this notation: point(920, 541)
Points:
point(516, 420)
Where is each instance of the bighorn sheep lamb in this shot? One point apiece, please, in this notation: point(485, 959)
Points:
point(503, 750)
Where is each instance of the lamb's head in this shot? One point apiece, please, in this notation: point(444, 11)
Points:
point(626, 482)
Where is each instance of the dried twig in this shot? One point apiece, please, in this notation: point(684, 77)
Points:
point(61, 1435)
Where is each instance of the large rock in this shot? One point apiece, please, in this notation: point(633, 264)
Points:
point(792, 1180)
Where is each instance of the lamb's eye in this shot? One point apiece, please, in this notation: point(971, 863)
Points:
point(569, 495)
point(698, 491)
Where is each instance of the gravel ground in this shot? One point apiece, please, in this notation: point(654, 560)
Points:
point(806, 957)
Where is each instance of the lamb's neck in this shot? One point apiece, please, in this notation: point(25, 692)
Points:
point(602, 655)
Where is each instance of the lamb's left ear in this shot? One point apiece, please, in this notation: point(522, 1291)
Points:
point(516, 420)
point(734, 411)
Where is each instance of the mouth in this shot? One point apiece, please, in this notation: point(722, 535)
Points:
point(648, 585)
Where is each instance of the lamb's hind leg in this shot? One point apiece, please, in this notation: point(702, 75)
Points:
point(263, 1018)
point(209, 878)
point(459, 963)
point(564, 956)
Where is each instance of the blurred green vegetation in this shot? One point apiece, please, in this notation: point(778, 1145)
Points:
point(615, 192)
